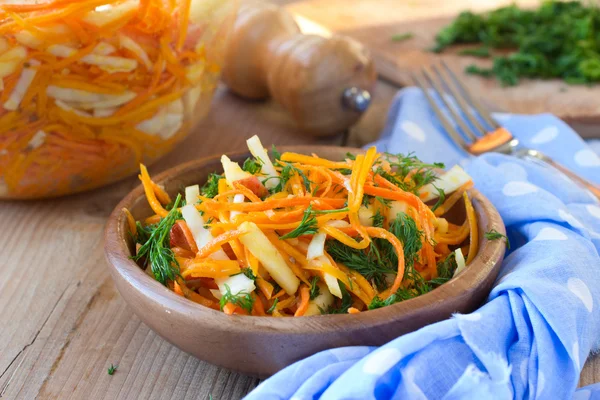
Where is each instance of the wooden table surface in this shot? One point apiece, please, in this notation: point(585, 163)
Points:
point(62, 321)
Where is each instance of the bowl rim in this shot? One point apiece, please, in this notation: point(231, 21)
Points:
point(122, 267)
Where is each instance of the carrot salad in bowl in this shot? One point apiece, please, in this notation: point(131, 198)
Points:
point(298, 235)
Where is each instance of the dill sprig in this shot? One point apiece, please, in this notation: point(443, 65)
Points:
point(211, 187)
point(249, 274)
point(441, 198)
point(276, 155)
point(408, 172)
point(242, 299)
point(287, 172)
point(314, 288)
point(380, 258)
point(156, 249)
point(378, 219)
point(343, 305)
point(446, 269)
point(495, 235)
point(252, 165)
point(558, 39)
point(272, 308)
point(308, 225)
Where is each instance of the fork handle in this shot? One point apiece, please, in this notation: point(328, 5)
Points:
point(592, 188)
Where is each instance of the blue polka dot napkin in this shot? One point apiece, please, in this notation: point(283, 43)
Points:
point(542, 318)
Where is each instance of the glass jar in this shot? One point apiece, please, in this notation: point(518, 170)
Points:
point(91, 88)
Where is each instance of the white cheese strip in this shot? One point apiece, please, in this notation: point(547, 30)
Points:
point(460, 262)
point(316, 248)
point(267, 168)
point(23, 84)
point(108, 13)
point(109, 64)
point(322, 302)
point(237, 284)
point(37, 140)
point(27, 39)
point(365, 215)
point(88, 100)
point(61, 104)
point(11, 59)
point(448, 182)
point(103, 112)
point(396, 207)
point(4, 46)
point(260, 246)
point(192, 194)
point(104, 49)
point(238, 198)
point(233, 171)
point(128, 43)
point(201, 235)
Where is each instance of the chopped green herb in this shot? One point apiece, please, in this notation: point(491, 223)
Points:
point(308, 226)
point(211, 187)
point(287, 172)
point(242, 299)
point(275, 154)
point(112, 369)
point(208, 222)
point(252, 165)
point(380, 258)
point(481, 52)
point(272, 308)
point(447, 267)
point(559, 39)
point(350, 156)
point(441, 198)
point(495, 235)
point(249, 274)
point(314, 288)
point(410, 173)
point(378, 219)
point(343, 305)
point(156, 249)
point(401, 295)
point(400, 37)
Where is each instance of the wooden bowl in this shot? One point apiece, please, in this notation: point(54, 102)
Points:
point(261, 346)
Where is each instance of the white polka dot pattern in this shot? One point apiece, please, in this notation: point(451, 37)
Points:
point(546, 135)
point(381, 361)
point(549, 234)
point(587, 158)
point(582, 292)
point(514, 188)
point(413, 130)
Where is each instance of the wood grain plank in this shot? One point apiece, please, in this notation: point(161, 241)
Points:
point(68, 323)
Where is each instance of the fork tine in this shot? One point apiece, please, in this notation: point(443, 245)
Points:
point(485, 114)
point(463, 105)
point(442, 95)
point(438, 112)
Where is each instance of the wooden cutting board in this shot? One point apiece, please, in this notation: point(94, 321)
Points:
point(375, 22)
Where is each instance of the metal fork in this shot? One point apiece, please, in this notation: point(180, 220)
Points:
point(484, 133)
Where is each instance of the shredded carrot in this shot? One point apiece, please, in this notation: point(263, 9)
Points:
point(149, 189)
point(316, 197)
point(177, 289)
point(304, 301)
point(130, 222)
point(217, 242)
point(474, 235)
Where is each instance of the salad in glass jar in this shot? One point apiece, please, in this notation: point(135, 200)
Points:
point(91, 88)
